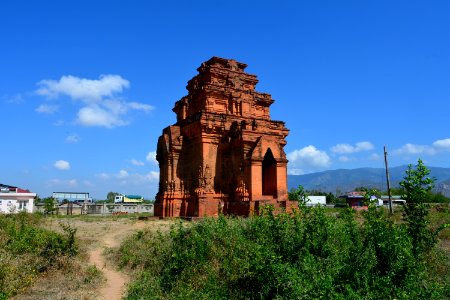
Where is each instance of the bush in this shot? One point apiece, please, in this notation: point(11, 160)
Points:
point(27, 250)
point(305, 255)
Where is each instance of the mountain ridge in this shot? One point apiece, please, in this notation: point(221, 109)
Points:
point(343, 180)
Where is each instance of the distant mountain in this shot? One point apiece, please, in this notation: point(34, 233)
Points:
point(443, 187)
point(343, 180)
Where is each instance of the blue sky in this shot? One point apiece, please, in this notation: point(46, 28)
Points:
point(86, 87)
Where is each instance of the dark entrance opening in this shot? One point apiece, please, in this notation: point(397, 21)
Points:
point(269, 175)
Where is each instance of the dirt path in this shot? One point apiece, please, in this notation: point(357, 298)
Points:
point(94, 235)
point(116, 281)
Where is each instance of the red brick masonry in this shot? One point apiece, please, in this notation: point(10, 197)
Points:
point(224, 154)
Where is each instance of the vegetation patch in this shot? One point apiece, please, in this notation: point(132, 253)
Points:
point(305, 255)
point(27, 251)
point(308, 254)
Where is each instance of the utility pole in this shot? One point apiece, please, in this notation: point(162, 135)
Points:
point(388, 181)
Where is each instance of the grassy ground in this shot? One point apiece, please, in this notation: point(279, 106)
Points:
point(35, 256)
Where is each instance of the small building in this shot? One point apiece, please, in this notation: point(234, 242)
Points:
point(14, 199)
point(316, 200)
point(396, 200)
point(357, 200)
point(80, 197)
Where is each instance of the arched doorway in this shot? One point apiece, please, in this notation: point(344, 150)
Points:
point(269, 175)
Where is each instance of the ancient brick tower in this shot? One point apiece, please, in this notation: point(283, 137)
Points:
point(224, 154)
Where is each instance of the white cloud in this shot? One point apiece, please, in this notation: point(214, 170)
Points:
point(434, 148)
point(122, 174)
point(295, 171)
point(347, 148)
point(137, 178)
point(414, 149)
point(152, 176)
point(124, 177)
point(101, 104)
point(62, 165)
point(309, 157)
point(151, 157)
point(72, 182)
point(136, 162)
point(344, 158)
point(103, 176)
point(87, 90)
point(72, 139)
point(47, 109)
point(62, 183)
point(140, 106)
point(96, 116)
point(443, 145)
point(375, 156)
point(342, 148)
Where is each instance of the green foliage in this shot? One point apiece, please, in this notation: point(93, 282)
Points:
point(27, 250)
point(49, 205)
point(147, 201)
point(298, 194)
point(304, 255)
point(371, 196)
point(430, 197)
point(110, 197)
point(437, 198)
point(416, 185)
point(395, 191)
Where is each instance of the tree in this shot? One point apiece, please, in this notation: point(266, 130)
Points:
point(298, 194)
point(416, 187)
point(111, 196)
point(37, 199)
point(49, 205)
point(438, 198)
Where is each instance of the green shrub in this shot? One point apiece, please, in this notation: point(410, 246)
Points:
point(27, 250)
point(305, 255)
point(92, 274)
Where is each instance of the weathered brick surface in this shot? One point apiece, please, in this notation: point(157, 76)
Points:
point(224, 154)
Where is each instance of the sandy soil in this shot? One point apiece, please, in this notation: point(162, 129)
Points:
point(114, 287)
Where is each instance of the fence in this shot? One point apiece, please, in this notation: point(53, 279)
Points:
point(100, 209)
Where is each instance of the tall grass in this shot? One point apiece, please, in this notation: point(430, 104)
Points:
point(305, 255)
point(27, 250)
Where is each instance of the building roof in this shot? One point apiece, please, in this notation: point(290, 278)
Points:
point(133, 196)
point(354, 195)
point(4, 188)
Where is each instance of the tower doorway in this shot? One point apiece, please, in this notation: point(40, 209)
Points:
point(269, 175)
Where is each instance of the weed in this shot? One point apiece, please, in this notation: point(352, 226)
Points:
point(92, 274)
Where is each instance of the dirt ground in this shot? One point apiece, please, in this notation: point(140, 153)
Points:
point(95, 235)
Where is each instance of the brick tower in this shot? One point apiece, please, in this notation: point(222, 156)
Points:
point(224, 154)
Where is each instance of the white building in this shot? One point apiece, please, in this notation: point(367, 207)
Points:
point(14, 199)
point(316, 200)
